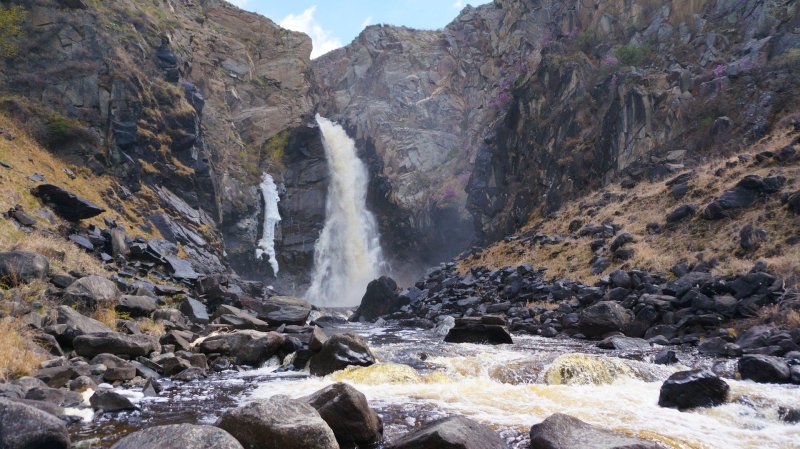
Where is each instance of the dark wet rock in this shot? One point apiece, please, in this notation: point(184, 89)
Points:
point(21, 267)
point(487, 329)
point(89, 292)
point(90, 345)
point(248, 346)
point(603, 318)
point(560, 431)
point(793, 202)
point(624, 344)
point(194, 310)
point(136, 306)
point(110, 401)
point(454, 432)
point(690, 389)
point(764, 369)
point(718, 346)
point(278, 422)
point(681, 213)
point(665, 357)
point(279, 310)
point(66, 204)
point(26, 427)
point(380, 299)
point(73, 324)
point(789, 415)
point(190, 374)
point(620, 279)
point(339, 352)
point(179, 436)
point(348, 414)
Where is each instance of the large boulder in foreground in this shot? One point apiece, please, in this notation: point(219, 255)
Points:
point(764, 369)
point(381, 298)
point(694, 388)
point(26, 427)
point(562, 431)
point(89, 292)
point(348, 414)
point(278, 422)
point(90, 345)
point(22, 267)
point(69, 206)
point(602, 318)
point(179, 436)
point(339, 352)
point(454, 432)
point(487, 329)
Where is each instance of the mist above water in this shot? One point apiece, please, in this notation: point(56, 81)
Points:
point(348, 254)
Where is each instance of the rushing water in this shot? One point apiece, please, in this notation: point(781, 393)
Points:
point(509, 387)
point(266, 246)
point(347, 255)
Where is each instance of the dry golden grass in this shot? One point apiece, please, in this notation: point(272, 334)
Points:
point(649, 202)
point(19, 357)
point(152, 327)
point(107, 316)
point(541, 305)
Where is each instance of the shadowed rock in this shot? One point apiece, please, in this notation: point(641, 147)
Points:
point(21, 267)
point(66, 204)
point(26, 427)
point(179, 436)
point(561, 431)
point(690, 389)
point(347, 412)
point(454, 432)
point(339, 352)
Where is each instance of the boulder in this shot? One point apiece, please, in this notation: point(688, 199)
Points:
point(278, 422)
point(26, 427)
point(694, 388)
point(764, 369)
point(380, 299)
point(194, 310)
point(136, 306)
point(560, 431)
point(110, 401)
point(73, 325)
point(238, 319)
point(66, 204)
point(21, 267)
point(279, 310)
point(339, 352)
point(750, 238)
point(603, 318)
point(454, 432)
point(89, 292)
point(56, 376)
point(348, 414)
point(259, 350)
point(625, 344)
point(681, 213)
point(793, 202)
point(90, 345)
point(478, 330)
point(248, 346)
point(179, 436)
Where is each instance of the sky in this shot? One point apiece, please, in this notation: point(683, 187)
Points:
point(332, 24)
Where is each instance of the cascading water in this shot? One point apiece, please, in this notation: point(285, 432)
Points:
point(348, 254)
point(266, 246)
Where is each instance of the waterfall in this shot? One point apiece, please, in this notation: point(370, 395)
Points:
point(271, 218)
point(347, 255)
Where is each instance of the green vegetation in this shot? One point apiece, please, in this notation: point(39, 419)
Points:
point(61, 129)
point(11, 19)
point(634, 54)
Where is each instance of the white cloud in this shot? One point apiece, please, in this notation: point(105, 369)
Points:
point(458, 4)
point(240, 3)
point(305, 22)
point(366, 22)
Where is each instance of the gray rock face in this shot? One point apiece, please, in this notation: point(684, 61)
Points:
point(339, 352)
point(73, 324)
point(764, 369)
point(90, 292)
point(179, 436)
point(348, 414)
point(20, 267)
point(279, 310)
point(25, 427)
point(690, 389)
point(110, 401)
point(455, 432)
point(561, 431)
point(194, 310)
point(248, 346)
point(278, 422)
point(90, 345)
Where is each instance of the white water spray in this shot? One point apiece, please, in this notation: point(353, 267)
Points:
point(347, 255)
point(271, 218)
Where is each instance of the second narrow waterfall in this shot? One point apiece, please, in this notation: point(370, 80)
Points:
point(266, 246)
point(348, 254)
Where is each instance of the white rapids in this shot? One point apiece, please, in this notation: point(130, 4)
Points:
point(348, 254)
